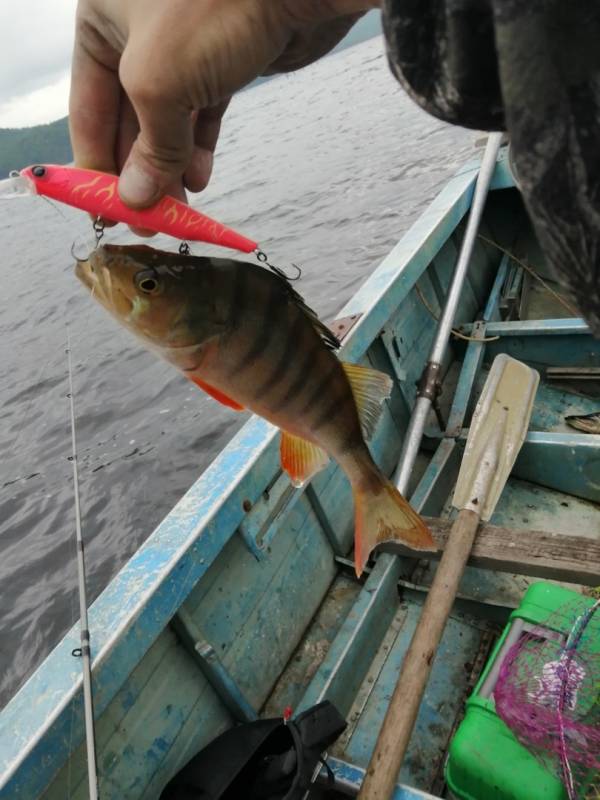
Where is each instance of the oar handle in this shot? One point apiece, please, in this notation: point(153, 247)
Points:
point(392, 742)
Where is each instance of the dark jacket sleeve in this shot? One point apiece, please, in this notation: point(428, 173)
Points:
point(532, 68)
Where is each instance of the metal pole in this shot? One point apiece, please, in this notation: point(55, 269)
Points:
point(83, 617)
point(429, 380)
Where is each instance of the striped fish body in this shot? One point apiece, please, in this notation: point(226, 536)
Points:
point(246, 337)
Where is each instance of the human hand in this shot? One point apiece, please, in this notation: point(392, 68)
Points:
point(151, 80)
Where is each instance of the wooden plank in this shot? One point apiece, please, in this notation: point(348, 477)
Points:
point(554, 556)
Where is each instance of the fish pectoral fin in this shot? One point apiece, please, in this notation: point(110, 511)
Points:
point(300, 458)
point(216, 394)
point(370, 388)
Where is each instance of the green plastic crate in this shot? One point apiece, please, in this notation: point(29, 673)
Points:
point(485, 760)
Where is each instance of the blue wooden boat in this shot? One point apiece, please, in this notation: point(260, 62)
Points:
point(242, 601)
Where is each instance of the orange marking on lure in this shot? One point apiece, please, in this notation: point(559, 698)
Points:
point(88, 186)
point(109, 191)
point(171, 213)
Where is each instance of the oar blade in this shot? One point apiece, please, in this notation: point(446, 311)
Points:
point(498, 429)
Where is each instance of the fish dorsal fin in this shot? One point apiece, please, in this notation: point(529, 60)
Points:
point(216, 394)
point(326, 334)
point(370, 388)
point(300, 458)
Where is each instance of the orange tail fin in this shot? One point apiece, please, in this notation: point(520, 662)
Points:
point(383, 515)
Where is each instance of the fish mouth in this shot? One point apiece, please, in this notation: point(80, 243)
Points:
point(101, 286)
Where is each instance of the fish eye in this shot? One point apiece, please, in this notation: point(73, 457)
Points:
point(148, 282)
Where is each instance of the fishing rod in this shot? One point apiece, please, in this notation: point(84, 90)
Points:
point(90, 737)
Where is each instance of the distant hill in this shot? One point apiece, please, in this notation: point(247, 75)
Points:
point(368, 27)
point(49, 144)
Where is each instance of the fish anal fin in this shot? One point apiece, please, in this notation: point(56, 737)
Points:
point(300, 458)
point(370, 388)
point(216, 394)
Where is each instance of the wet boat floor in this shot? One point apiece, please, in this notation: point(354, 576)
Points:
point(465, 643)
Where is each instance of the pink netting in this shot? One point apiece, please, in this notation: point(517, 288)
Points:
point(548, 693)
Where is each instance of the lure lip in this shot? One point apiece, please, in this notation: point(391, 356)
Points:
point(16, 185)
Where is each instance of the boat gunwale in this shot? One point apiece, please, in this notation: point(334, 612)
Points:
point(43, 700)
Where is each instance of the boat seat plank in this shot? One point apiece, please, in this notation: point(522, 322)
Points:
point(544, 343)
point(523, 551)
point(552, 405)
point(568, 462)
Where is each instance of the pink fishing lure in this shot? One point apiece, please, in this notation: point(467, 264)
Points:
point(97, 193)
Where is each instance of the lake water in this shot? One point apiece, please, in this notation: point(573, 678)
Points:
point(327, 168)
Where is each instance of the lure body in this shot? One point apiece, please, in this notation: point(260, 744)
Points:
point(97, 193)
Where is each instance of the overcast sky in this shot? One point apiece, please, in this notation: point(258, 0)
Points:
point(35, 57)
point(37, 39)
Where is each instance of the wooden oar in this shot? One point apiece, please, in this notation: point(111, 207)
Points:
point(497, 431)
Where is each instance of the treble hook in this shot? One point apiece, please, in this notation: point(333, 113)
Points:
point(262, 257)
point(98, 225)
point(74, 254)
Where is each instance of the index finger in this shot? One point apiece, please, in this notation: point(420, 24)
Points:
point(93, 110)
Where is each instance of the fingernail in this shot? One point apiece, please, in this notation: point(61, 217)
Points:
point(206, 164)
point(199, 171)
point(136, 187)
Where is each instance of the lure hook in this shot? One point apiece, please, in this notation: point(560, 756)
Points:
point(98, 226)
point(263, 259)
point(74, 254)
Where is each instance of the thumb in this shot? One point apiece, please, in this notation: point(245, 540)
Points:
point(163, 148)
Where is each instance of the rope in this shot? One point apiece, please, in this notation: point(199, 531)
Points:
point(456, 333)
point(571, 309)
